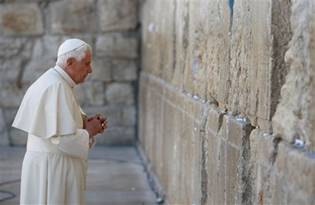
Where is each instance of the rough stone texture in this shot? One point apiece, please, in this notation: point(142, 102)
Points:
point(21, 19)
point(117, 15)
point(4, 137)
point(10, 95)
point(124, 70)
point(90, 93)
point(117, 45)
point(283, 173)
point(294, 117)
point(211, 77)
point(74, 16)
point(120, 93)
point(32, 30)
point(101, 70)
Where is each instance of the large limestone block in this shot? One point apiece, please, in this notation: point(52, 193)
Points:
point(13, 55)
point(129, 116)
point(117, 45)
point(117, 15)
point(101, 70)
point(10, 70)
point(294, 117)
point(297, 169)
point(250, 60)
point(124, 70)
point(90, 93)
point(21, 19)
point(207, 25)
point(74, 16)
point(11, 47)
point(11, 95)
point(158, 27)
point(43, 57)
point(120, 93)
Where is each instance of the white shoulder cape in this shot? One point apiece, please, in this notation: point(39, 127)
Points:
point(48, 108)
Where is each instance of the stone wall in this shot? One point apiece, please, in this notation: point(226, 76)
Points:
point(226, 100)
point(32, 30)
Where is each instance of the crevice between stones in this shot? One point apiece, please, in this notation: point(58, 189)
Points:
point(245, 171)
point(204, 156)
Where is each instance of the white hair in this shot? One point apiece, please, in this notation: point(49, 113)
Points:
point(78, 54)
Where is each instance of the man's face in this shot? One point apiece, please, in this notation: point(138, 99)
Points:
point(82, 68)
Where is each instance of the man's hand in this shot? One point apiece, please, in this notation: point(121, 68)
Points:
point(96, 124)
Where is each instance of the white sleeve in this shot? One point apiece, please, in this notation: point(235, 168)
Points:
point(76, 145)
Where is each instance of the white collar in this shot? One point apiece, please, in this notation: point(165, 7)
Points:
point(65, 75)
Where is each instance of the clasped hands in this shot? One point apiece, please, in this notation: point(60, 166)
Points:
point(95, 124)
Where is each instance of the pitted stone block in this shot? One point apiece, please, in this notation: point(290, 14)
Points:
point(129, 116)
point(21, 19)
point(117, 15)
point(124, 70)
point(101, 69)
point(120, 93)
point(117, 45)
point(74, 16)
point(91, 93)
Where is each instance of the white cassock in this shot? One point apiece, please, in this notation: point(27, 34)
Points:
point(55, 163)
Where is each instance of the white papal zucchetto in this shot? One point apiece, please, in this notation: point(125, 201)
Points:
point(70, 45)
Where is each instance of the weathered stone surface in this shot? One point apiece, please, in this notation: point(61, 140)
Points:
point(124, 70)
point(10, 47)
point(44, 56)
point(9, 115)
point(74, 16)
point(4, 137)
point(101, 70)
point(233, 175)
point(10, 70)
point(120, 93)
point(35, 68)
point(117, 45)
point(117, 15)
point(21, 19)
point(292, 118)
point(117, 136)
point(90, 93)
point(129, 116)
point(215, 120)
point(11, 95)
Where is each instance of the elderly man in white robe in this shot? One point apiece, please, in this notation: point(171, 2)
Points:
point(59, 133)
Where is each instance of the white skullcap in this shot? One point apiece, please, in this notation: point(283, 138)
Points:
point(70, 45)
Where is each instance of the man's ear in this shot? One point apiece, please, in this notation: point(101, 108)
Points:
point(70, 61)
